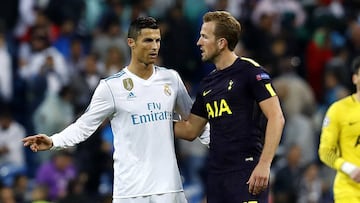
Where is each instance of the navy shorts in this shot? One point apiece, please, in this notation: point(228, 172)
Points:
point(232, 188)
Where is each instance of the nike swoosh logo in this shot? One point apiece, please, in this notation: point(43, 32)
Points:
point(206, 92)
point(352, 123)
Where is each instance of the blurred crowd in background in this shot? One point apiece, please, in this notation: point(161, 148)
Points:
point(54, 52)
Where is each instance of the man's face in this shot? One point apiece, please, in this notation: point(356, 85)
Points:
point(207, 42)
point(146, 47)
point(356, 80)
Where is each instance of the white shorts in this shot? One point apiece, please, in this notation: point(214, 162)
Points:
point(174, 197)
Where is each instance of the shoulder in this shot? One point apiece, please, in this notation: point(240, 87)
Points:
point(248, 62)
point(167, 72)
point(250, 65)
point(342, 104)
point(115, 76)
point(251, 70)
point(162, 69)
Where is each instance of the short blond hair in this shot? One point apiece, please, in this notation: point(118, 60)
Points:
point(226, 26)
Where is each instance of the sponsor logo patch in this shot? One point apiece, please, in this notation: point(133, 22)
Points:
point(262, 76)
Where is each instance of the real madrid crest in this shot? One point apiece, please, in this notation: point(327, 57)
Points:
point(128, 84)
point(167, 90)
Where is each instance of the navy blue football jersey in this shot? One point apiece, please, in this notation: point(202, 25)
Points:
point(229, 100)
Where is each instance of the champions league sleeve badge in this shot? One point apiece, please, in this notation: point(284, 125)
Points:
point(167, 90)
point(128, 84)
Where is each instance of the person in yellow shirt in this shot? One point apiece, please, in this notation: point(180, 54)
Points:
point(340, 142)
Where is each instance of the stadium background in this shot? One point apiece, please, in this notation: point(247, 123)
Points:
point(54, 52)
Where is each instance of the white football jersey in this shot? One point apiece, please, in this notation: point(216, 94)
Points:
point(141, 114)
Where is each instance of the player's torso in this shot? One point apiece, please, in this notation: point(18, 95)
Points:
point(233, 115)
point(139, 101)
point(350, 130)
point(227, 99)
point(143, 138)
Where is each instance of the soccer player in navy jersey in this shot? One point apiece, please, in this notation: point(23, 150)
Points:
point(244, 113)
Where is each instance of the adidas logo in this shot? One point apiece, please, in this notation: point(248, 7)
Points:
point(131, 95)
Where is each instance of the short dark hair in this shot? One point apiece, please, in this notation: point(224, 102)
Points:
point(356, 65)
point(141, 23)
point(226, 26)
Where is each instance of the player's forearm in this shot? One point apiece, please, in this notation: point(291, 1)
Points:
point(183, 130)
point(272, 139)
point(73, 134)
point(329, 156)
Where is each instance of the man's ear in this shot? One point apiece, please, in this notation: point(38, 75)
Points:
point(222, 43)
point(131, 42)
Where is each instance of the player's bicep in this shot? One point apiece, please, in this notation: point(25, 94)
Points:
point(271, 107)
point(330, 129)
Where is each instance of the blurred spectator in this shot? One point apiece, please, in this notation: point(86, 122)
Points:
point(295, 93)
point(318, 53)
point(12, 156)
point(114, 61)
point(353, 37)
point(40, 194)
point(287, 177)
point(176, 51)
point(333, 88)
point(21, 188)
point(84, 83)
point(43, 21)
point(92, 13)
point(333, 91)
point(45, 62)
point(279, 9)
point(6, 76)
point(26, 18)
point(160, 7)
point(77, 56)
point(258, 38)
point(7, 195)
point(112, 36)
point(311, 186)
point(59, 10)
point(192, 157)
point(56, 173)
point(299, 105)
point(54, 113)
point(75, 193)
point(95, 161)
point(339, 64)
point(66, 35)
point(61, 108)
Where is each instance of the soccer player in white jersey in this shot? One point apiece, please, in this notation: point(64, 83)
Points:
point(139, 101)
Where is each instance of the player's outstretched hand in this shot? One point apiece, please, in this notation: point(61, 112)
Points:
point(38, 142)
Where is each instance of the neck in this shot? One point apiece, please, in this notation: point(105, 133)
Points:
point(225, 59)
point(357, 96)
point(141, 70)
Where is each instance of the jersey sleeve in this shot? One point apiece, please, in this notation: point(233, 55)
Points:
point(101, 106)
point(329, 148)
point(198, 106)
point(260, 83)
point(183, 100)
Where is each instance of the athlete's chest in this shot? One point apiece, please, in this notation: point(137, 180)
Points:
point(229, 87)
point(134, 96)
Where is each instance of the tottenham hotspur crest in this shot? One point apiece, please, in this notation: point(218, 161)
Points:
point(128, 84)
point(167, 90)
